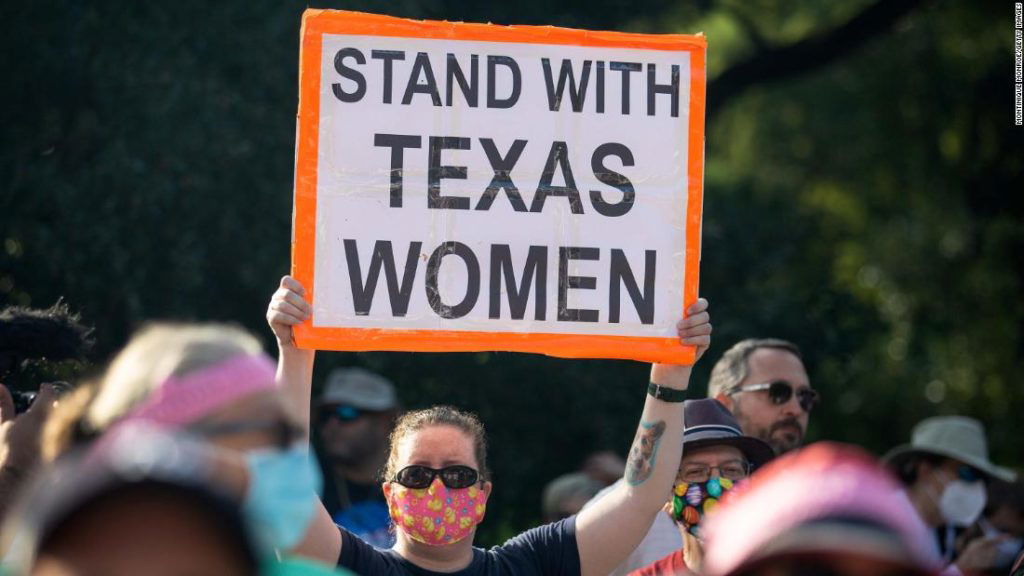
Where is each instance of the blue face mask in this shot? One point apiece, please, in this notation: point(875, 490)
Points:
point(282, 495)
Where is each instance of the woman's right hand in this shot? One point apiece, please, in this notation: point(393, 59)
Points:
point(287, 308)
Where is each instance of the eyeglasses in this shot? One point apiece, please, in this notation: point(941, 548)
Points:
point(284, 433)
point(419, 477)
point(780, 391)
point(733, 470)
point(340, 412)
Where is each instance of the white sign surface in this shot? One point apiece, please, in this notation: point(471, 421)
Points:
point(501, 187)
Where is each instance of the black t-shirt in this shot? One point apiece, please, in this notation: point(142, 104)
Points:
point(548, 550)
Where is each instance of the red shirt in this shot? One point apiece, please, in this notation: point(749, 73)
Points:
point(671, 565)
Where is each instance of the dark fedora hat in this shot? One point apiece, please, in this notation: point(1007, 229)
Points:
point(707, 423)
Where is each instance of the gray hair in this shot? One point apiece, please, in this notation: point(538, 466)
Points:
point(734, 367)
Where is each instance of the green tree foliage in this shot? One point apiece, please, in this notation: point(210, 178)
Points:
point(859, 201)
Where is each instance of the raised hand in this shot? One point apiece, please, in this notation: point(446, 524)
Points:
point(695, 329)
point(287, 309)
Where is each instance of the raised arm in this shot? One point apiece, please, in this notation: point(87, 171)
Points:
point(295, 377)
point(609, 530)
point(294, 365)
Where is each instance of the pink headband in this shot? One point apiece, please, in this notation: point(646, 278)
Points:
point(182, 400)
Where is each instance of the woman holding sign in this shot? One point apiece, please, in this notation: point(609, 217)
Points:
point(436, 480)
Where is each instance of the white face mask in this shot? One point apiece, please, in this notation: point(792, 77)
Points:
point(962, 502)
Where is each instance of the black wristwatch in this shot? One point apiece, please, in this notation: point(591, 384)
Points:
point(666, 394)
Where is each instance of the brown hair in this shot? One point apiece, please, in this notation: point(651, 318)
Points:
point(733, 367)
point(417, 420)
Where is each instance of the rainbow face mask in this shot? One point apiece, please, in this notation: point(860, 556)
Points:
point(437, 515)
point(691, 502)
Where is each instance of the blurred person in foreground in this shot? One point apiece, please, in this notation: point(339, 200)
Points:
point(141, 505)
point(764, 384)
point(141, 501)
point(215, 383)
point(354, 416)
point(716, 456)
point(828, 509)
point(944, 470)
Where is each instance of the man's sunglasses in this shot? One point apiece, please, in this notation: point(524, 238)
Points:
point(780, 391)
point(419, 477)
point(340, 412)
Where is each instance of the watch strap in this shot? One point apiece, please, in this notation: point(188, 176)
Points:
point(666, 394)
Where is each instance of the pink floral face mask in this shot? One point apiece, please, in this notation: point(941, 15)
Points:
point(437, 515)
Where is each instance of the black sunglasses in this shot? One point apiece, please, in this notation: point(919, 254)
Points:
point(419, 477)
point(780, 391)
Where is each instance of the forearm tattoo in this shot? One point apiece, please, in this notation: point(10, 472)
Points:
point(644, 451)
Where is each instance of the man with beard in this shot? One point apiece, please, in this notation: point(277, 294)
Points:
point(354, 416)
point(764, 383)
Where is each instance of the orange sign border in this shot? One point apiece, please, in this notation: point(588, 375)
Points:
point(316, 23)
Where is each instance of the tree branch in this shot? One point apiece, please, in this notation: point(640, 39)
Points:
point(748, 26)
point(774, 64)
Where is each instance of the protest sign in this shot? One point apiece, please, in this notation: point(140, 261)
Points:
point(466, 187)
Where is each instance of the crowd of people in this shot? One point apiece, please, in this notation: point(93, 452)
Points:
point(193, 452)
